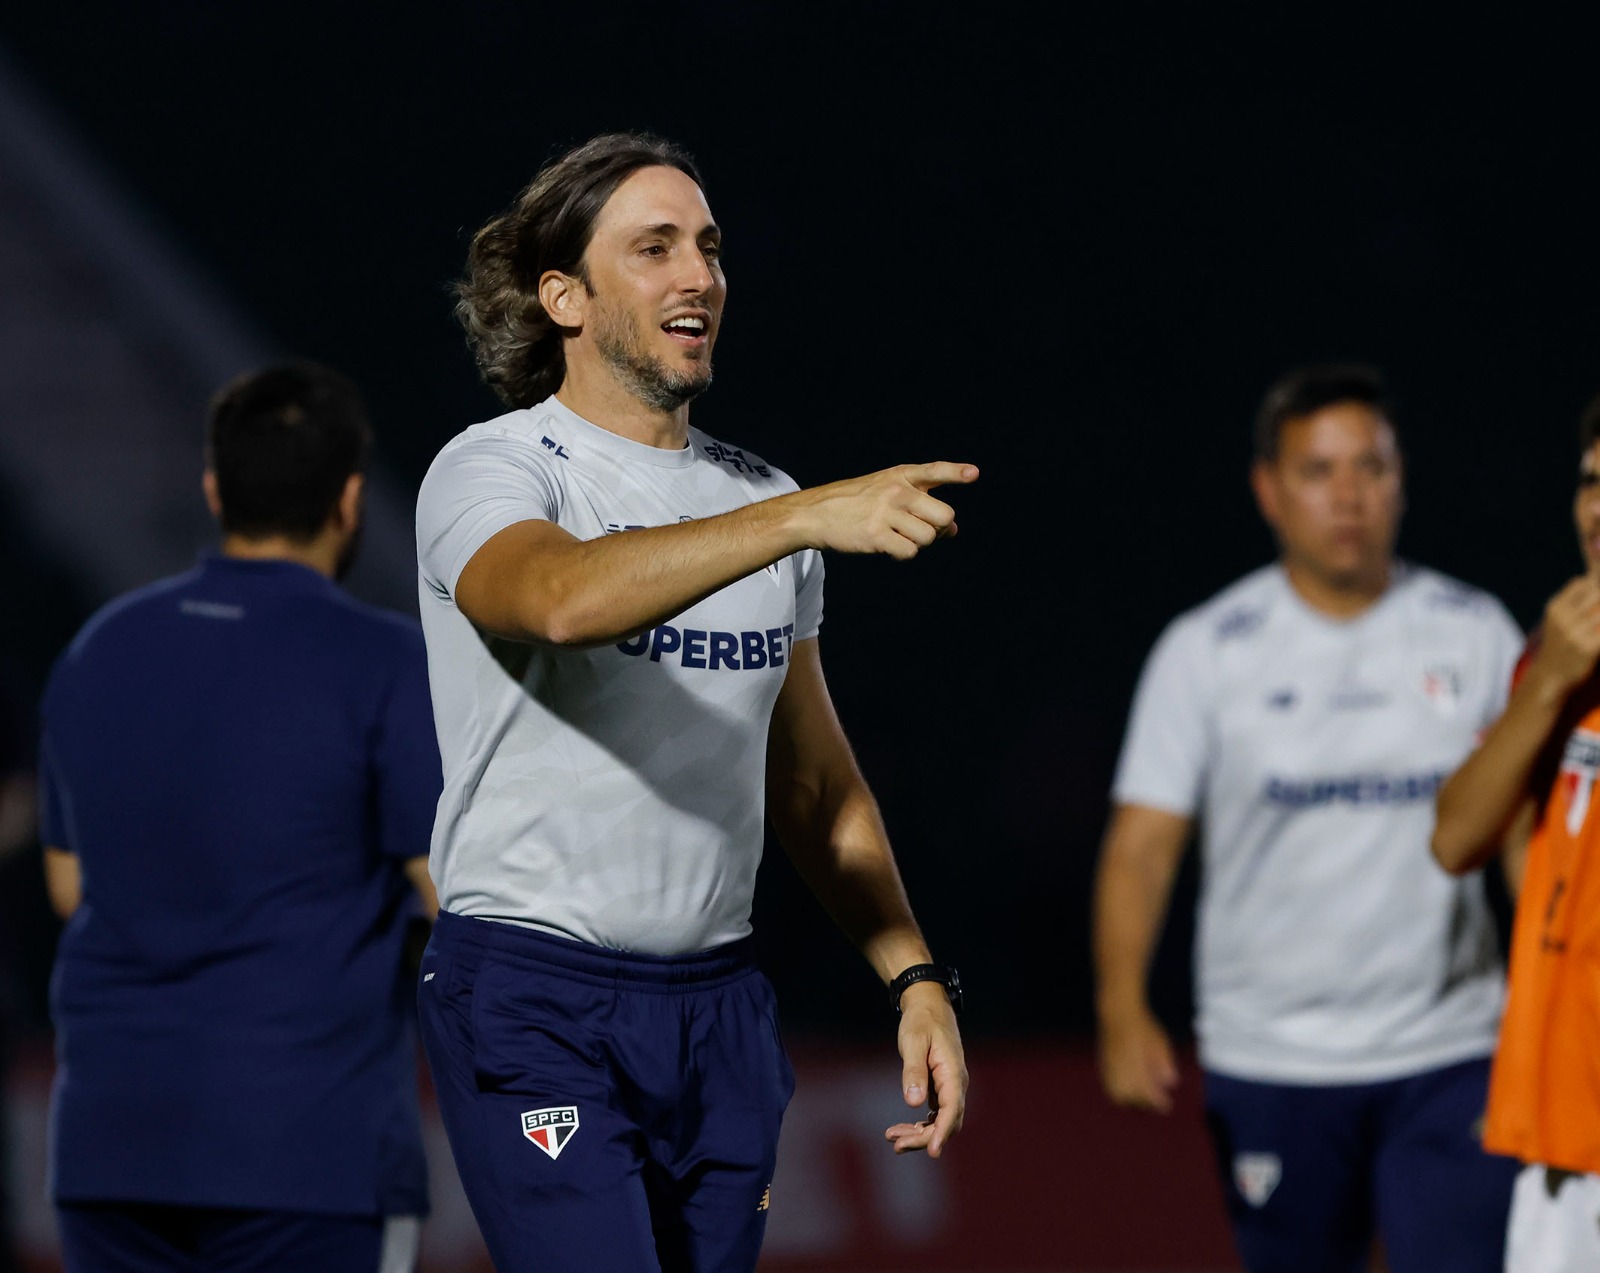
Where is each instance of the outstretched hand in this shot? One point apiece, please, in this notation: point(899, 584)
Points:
point(933, 1071)
point(888, 512)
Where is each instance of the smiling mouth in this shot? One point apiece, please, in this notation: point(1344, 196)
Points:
point(688, 329)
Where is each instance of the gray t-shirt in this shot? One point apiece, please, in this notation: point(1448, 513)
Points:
point(611, 795)
point(1331, 947)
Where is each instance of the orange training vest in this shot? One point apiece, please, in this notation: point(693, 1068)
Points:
point(1544, 1096)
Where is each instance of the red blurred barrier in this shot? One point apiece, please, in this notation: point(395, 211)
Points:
point(1046, 1177)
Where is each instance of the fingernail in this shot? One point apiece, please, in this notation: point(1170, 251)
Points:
point(914, 1093)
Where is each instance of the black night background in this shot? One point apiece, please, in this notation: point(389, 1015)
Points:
point(1070, 249)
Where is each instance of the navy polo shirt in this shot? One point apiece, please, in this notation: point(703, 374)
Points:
point(242, 757)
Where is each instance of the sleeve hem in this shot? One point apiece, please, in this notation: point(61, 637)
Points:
point(1163, 803)
point(480, 536)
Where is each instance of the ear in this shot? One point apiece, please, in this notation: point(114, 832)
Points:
point(1264, 483)
point(350, 499)
point(208, 484)
point(564, 298)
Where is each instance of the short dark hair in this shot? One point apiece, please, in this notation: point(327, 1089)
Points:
point(1308, 390)
point(517, 346)
point(1589, 427)
point(283, 441)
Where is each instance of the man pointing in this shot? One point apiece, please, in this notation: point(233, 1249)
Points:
point(622, 618)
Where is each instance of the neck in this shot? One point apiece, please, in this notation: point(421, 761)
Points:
point(595, 395)
point(1338, 598)
point(321, 552)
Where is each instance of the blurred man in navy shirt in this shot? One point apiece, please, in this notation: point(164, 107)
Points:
point(238, 776)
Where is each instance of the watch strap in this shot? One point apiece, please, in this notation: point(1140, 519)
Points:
point(945, 976)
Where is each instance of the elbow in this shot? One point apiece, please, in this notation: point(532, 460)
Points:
point(63, 882)
point(1451, 852)
point(1443, 855)
point(574, 631)
point(550, 614)
point(563, 626)
point(65, 897)
point(563, 633)
point(576, 622)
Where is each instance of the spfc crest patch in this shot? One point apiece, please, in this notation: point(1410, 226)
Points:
point(552, 1128)
point(1257, 1175)
point(1443, 685)
point(1579, 764)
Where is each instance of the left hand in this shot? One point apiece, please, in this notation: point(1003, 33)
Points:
point(934, 1070)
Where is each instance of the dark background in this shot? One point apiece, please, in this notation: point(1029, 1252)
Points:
point(1072, 249)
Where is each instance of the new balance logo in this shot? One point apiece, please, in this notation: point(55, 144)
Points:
point(552, 1128)
point(550, 444)
point(738, 459)
point(766, 1199)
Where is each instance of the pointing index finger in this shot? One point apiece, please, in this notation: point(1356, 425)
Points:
point(940, 473)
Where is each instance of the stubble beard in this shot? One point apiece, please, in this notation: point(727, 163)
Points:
point(642, 374)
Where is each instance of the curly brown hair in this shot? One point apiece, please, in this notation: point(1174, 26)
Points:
point(517, 346)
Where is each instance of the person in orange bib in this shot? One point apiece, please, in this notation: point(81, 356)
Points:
point(1529, 792)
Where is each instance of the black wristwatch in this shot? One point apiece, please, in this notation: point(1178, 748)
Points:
point(944, 975)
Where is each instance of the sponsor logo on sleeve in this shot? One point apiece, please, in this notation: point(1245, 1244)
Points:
point(551, 1129)
point(555, 448)
point(1257, 1176)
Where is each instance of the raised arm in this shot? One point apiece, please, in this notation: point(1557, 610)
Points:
point(1480, 802)
point(830, 827)
point(534, 581)
point(1138, 863)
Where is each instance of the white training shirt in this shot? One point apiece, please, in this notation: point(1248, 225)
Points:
point(611, 795)
point(1331, 948)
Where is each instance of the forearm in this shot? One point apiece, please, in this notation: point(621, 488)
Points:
point(1514, 856)
point(838, 843)
point(1478, 802)
point(536, 582)
point(1130, 905)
